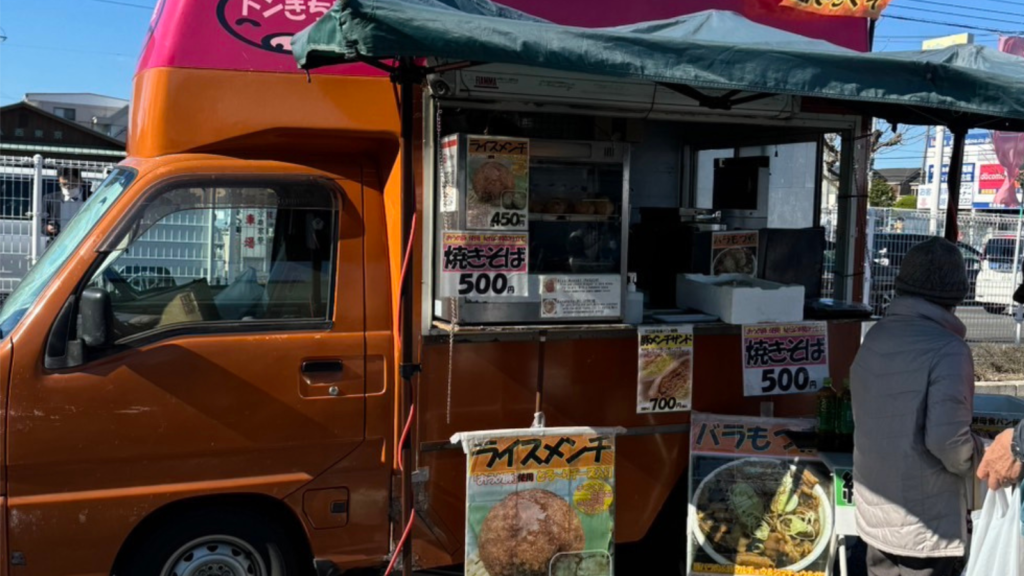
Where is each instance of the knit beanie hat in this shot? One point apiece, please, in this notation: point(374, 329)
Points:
point(934, 270)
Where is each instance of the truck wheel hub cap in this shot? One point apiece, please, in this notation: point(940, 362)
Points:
point(216, 556)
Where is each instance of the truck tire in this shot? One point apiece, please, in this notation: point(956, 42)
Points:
point(995, 308)
point(219, 541)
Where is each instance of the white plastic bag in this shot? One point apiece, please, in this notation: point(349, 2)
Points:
point(996, 543)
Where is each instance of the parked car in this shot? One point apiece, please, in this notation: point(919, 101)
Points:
point(887, 256)
point(997, 281)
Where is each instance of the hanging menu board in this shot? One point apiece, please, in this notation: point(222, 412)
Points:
point(759, 505)
point(665, 369)
point(478, 264)
point(784, 358)
point(540, 501)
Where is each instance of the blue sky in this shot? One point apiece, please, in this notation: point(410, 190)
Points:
point(92, 45)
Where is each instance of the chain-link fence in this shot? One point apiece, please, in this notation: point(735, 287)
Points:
point(992, 251)
point(33, 208)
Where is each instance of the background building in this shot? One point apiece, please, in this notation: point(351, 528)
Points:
point(103, 114)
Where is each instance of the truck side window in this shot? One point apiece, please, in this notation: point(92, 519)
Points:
point(225, 255)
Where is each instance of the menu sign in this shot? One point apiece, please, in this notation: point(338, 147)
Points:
point(484, 264)
point(784, 358)
point(555, 485)
point(498, 173)
point(578, 296)
point(734, 253)
point(759, 505)
point(665, 370)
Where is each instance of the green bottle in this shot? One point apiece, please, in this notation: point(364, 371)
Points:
point(845, 428)
point(828, 411)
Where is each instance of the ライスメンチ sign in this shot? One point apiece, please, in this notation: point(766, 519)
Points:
point(563, 477)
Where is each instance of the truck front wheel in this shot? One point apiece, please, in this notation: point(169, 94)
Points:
point(216, 542)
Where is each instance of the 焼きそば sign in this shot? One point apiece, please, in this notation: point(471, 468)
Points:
point(849, 8)
point(540, 501)
point(748, 483)
point(484, 264)
point(665, 370)
point(784, 358)
point(734, 253)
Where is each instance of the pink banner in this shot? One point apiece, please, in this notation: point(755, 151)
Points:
point(1009, 146)
point(255, 35)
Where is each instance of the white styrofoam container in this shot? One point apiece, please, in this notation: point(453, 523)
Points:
point(759, 301)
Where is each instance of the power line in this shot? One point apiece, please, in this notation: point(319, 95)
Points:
point(128, 4)
point(962, 7)
point(954, 14)
point(1008, 3)
point(951, 24)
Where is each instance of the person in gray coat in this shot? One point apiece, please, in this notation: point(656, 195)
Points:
point(912, 384)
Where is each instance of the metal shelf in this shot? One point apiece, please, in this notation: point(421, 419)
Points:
point(572, 218)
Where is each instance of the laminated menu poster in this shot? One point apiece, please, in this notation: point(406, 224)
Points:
point(759, 505)
point(579, 296)
point(498, 174)
point(665, 369)
point(448, 170)
point(484, 264)
point(734, 252)
point(784, 358)
point(540, 501)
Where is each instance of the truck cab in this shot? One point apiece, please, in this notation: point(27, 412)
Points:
point(241, 410)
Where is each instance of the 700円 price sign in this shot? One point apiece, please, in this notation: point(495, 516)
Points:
point(484, 264)
point(784, 358)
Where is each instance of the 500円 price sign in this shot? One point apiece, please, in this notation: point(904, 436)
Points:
point(484, 264)
point(784, 358)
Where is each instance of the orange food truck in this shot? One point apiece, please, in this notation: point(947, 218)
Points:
point(566, 244)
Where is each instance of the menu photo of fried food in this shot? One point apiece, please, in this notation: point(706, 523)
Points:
point(762, 514)
point(535, 532)
point(665, 381)
point(490, 179)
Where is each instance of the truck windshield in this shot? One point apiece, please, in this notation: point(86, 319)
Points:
point(58, 252)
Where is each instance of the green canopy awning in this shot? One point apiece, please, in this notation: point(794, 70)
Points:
point(962, 86)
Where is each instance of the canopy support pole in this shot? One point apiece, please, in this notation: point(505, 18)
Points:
point(407, 75)
point(956, 163)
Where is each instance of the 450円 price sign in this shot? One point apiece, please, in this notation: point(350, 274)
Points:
point(484, 264)
point(784, 358)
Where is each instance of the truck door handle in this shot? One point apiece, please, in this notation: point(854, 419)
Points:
point(323, 367)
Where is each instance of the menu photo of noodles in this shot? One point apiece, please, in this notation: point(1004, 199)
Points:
point(757, 514)
point(665, 369)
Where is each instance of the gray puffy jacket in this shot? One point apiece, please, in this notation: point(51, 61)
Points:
point(913, 398)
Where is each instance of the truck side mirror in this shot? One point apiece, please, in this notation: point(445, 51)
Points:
point(97, 315)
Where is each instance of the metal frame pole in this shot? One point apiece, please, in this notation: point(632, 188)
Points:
point(936, 192)
point(36, 234)
point(956, 167)
point(406, 80)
